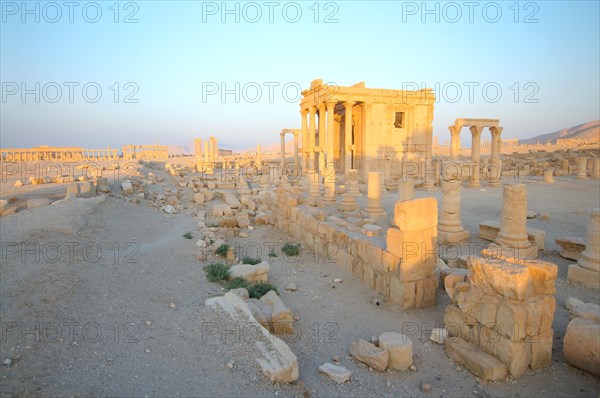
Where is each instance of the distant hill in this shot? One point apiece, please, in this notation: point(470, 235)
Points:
point(587, 132)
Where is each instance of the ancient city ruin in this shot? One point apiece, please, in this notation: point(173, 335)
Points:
point(386, 242)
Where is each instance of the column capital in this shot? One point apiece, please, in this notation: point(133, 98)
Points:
point(454, 130)
point(304, 111)
point(496, 131)
point(349, 103)
point(475, 130)
point(330, 104)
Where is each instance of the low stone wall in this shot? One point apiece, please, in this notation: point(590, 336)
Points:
point(408, 283)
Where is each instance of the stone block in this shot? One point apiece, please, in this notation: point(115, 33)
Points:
point(495, 276)
point(252, 273)
point(582, 345)
point(488, 230)
point(571, 247)
point(540, 348)
point(586, 277)
point(479, 363)
point(400, 349)
point(416, 214)
point(370, 355)
point(414, 246)
point(513, 355)
point(281, 316)
point(336, 373)
point(543, 276)
point(511, 320)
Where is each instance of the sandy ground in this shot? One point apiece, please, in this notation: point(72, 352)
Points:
point(85, 305)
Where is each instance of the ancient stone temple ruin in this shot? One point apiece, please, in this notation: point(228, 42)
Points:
point(367, 129)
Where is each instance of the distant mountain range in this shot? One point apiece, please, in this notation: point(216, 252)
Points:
point(586, 132)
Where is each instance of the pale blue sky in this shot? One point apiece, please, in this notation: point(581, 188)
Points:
point(171, 53)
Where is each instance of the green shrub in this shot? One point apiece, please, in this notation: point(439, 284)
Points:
point(291, 249)
point(272, 253)
point(222, 250)
point(251, 260)
point(216, 272)
point(259, 289)
point(237, 282)
point(188, 235)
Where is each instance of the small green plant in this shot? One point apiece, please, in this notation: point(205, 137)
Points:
point(251, 260)
point(237, 283)
point(216, 272)
point(259, 289)
point(188, 235)
point(222, 250)
point(291, 249)
point(272, 253)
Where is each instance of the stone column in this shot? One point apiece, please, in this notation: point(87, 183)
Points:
point(406, 189)
point(495, 167)
point(564, 165)
point(582, 168)
point(450, 229)
point(296, 149)
point(305, 144)
point(258, 155)
point(475, 154)
point(314, 189)
point(330, 132)
point(322, 136)
point(596, 168)
point(429, 176)
point(206, 151)
point(549, 176)
point(513, 224)
point(374, 208)
point(587, 269)
point(454, 142)
point(312, 138)
point(348, 147)
point(352, 183)
point(282, 134)
point(329, 182)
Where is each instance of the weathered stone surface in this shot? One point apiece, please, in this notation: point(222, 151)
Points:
point(416, 214)
point(579, 309)
point(571, 247)
point(542, 275)
point(199, 198)
point(277, 361)
point(586, 277)
point(127, 187)
point(252, 273)
point(87, 190)
point(513, 354)
point(582, 345)
point(488, 230)
point(336, 373)
point(281, 317)
point(454, 276)
point(400, 349)
point(367, 353)
point(481, 364)
point(496, 276)
point(438, 335)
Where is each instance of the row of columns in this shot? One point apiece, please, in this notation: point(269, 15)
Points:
point(476, 150)
point(210, 151)
point(326, 130)
point(154, 152)
point(57, 154)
